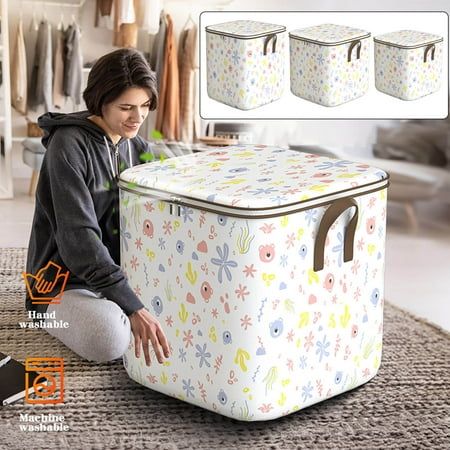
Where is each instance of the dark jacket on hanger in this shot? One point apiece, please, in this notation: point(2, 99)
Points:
point(73, 64)
point(40, 89)
point(58, 75)
point(158, 50)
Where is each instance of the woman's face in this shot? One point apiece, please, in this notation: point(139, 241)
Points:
point(125, 115)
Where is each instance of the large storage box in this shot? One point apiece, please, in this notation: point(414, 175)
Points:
point(408, 64)
point(265, 268)
point(245, 62)
point(329, 63)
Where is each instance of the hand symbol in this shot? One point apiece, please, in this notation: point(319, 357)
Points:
point(47, 278)
point(46, 281)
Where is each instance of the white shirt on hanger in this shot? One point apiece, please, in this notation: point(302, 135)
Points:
point(127, 14)
point(150, 11)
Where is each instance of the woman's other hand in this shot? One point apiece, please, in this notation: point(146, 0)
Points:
point(146, 328)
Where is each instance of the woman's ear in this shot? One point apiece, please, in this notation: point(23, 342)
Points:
point(102, 111)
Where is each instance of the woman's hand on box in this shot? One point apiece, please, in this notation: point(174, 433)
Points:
point(146, 328)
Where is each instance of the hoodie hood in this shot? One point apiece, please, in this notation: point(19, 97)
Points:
point(50, 121)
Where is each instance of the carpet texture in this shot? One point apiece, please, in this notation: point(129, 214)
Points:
point(407, 405)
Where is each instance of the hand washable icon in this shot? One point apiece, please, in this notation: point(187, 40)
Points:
point(48, 280)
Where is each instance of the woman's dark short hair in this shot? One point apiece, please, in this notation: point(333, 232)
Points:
point(115, 72)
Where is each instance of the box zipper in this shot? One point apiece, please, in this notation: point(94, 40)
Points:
point(235, 211)
point(407, 47)
point(282, 29)
point(329, 44)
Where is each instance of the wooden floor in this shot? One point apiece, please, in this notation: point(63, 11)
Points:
point(417, 260)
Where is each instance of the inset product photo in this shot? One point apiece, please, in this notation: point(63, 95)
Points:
point(323, 65)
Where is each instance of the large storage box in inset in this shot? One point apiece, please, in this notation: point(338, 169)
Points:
point(245, 63)
point(329, 63)
point(408, 64)
point(265, 268)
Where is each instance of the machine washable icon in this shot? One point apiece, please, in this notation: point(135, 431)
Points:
point(48, 386)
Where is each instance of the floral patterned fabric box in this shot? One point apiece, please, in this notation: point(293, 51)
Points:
point(265, 267)
point(245, 63)
point(329, 63)
point(408, 64)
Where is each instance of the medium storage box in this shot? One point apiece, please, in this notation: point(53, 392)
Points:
point(265, 269)
point(329, 63)
point(408, 64)
point(245, 63)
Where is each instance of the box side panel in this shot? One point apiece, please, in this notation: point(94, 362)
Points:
point(256, 333)
point(403, 73)
point(240, 75)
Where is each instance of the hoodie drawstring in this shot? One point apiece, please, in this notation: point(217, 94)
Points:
point(129, 153)
point(115, 173)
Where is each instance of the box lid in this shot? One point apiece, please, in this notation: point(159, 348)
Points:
point(245, 29)
point(252, 180)
point(408, 39)
point(329, 34)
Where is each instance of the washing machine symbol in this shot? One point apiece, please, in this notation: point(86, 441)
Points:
point(44, 377)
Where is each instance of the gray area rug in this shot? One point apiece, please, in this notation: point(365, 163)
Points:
point(407, 405)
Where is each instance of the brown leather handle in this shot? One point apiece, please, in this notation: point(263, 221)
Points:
point(354, 44)
point(330, 216)
point(273, 38)
point(431, 47)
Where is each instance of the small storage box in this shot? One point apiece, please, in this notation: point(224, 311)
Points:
point(408, 64)
point(245, 63)
point(265, 269)
point(329, 63)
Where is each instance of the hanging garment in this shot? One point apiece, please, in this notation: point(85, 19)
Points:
point(127, 13)
point(73, 64)
point(124, 12)
point(147, 15)
point(58, 71)
point(168, 114)
point(197, 124)
point(117, 35)
point(128, 35)
point(19, 72)
point(103, 10)
point(104, 14)
point(40, 89)
point(187, 57)
point(159, 44)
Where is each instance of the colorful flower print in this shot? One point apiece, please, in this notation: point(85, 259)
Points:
point(413, 77)
point(322, 73)
point(256, 332)
point(203, 355)
point(223, 262)
point(239, 74)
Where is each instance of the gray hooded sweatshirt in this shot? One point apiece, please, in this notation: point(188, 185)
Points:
point(76, 217)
